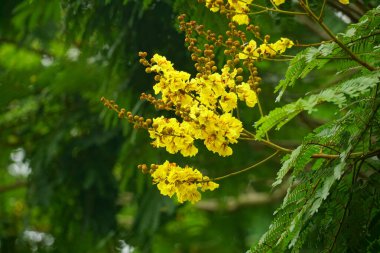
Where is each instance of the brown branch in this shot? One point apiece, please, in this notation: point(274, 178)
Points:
point(14, 186)
point(353, 14)
point(303, 20)
point(359, 155)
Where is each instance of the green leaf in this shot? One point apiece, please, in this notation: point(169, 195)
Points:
point(338, 95)
point(302, 64)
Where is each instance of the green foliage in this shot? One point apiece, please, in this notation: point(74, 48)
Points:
point(303, 63)
point(331, 197)
point(309, 59)
point(361, 38)
point(309, 199)
point(339, 95)
point(57, 59)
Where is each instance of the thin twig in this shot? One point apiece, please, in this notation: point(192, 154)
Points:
point(322, 10)
point(248, 168)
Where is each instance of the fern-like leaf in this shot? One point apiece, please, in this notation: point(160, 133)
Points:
point(301, 65)
point(338, 95)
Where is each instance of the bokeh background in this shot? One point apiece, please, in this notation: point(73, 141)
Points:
point(68, 166)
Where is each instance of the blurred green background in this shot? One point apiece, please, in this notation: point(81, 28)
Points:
point(68, 166)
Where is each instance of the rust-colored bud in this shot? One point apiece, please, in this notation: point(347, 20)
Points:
point(143, 54)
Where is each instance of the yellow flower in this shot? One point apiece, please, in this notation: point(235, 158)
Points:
point(228, 101)
point(273, 49)
point(208, 185)
point(212, 5)
point(184, 182)
point(174, 136)
point(161, 63)
point(220, 131)
point(228, 77)
point(344, 1)
point(188, 192)
point(249, 51)
point(208, 97)
point(245, 93)
point(278, 2)
point(232, 127)
point(241, 19)
point(215, 82)
point(281, 45)
point(166, 189)
point(201, 101)
point(266, 50)
point(173, 85)
point(218, 144)
point(240, 8)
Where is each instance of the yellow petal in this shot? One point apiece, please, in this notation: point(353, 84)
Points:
point(278, 2)
point(241, 19)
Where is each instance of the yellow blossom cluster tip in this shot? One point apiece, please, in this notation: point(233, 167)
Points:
point(251, 50)
point(238, 8)
point(185, 183)
point(204, 105)
point(278, 2)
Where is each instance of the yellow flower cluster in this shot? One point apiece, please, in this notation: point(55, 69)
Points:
point(239, 9)
point(266, 49)
point(184, 182)
point(174, 136)
point(204, 103)
point(278, 2)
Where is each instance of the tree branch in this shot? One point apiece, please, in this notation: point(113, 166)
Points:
point(14, 186)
